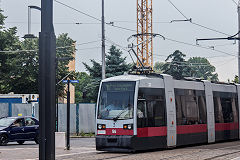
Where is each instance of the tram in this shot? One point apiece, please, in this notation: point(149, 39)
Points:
point(142, 112)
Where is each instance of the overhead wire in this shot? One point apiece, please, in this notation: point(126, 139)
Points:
point(135, 22)
point(75, 23)
point(90, 42)
point(89, 48)
point(165, 37)
point(194, 45)
point(88, 15)
point(214, 30)
point(123, 48)
point(221, 65)
point(112, 42)
point(177, 9)
point(19, 51)
point(121, 27)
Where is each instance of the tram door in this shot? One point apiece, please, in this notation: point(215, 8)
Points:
point(171, 111)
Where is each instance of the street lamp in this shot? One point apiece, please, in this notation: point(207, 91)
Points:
point(29, 35)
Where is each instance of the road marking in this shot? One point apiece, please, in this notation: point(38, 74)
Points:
point(11, 149)
point(72, 154)
point(69, 154)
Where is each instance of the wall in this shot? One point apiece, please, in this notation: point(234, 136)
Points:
point(62, 118)
point(87, 118)
point(19, 108)
point(3, 110)
point(82, 116)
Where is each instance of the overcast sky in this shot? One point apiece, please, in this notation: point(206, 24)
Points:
point(220, 15)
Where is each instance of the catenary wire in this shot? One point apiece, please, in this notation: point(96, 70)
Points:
point(135, 30)
point(199, 46)
point(221, 65)
point(19, 51)
point(88, 15)
point(177, 9)
point(197, 23)
point(79, 44)
point(92, 16)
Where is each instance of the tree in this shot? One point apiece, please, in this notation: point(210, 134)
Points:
point(176, 67)
point(24, 69)
point(20, 69)
point(179, 68)
point(115, 65)
point(236, 79)
point(84, 79)
point(201, 68)
point(65, 49)
point(2, 18)
point(158, 67)
point(8, 41)
point(91, 89)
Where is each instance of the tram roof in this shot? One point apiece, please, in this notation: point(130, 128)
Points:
point(127, 77)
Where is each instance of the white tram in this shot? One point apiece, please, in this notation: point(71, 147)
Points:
point(141, 112)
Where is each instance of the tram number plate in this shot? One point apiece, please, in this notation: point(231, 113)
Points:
point(114, 131)
point(101, 132)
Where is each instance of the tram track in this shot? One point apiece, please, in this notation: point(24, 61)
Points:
point(188, 154)
point(223, 155)
point(202, 151)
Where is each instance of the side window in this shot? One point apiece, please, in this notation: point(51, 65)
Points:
point(225, 107)
point(29, 122)
point(141, 113)
point(190, 107)
point(201, 102)
point(151, 102)
point(19, 122)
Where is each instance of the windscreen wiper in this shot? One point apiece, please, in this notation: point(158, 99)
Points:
point(116, 118)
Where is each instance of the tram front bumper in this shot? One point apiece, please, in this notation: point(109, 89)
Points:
point(114, 143)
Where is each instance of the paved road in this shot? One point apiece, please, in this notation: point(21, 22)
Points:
point(84, 149)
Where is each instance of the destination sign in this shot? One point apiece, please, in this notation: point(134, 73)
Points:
point(119, 86)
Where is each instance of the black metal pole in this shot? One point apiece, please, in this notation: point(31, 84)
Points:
point(57, 95)
point(68, 116)
point(103, 44)
point(47, 82)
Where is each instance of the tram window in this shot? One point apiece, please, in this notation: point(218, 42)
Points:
point(225, 107)
point(190, 107)
point(141, 113)
point(154, 110)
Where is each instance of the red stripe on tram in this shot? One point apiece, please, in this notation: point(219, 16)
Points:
point(152, 131)
point(226, 126)
point(197, 128)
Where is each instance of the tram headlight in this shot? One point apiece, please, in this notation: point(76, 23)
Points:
point(128, 126)
point(101, 126)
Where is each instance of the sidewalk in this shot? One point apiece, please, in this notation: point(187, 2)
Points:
point(32, 153)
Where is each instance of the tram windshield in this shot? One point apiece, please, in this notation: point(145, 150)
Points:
point(116, 100)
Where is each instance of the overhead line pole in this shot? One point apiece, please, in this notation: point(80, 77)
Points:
point(238, 9)
point(103, 44)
